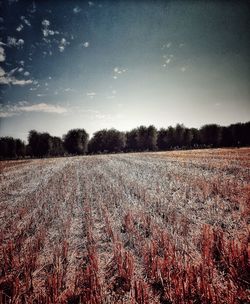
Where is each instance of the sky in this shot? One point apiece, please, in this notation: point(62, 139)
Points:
point(122, 64)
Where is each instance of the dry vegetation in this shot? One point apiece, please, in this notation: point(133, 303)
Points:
point(131, 228)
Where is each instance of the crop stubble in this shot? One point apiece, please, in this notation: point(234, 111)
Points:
point(168, 227)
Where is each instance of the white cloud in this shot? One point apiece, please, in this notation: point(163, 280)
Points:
point(44, 107)
point(2, 72)
point(26, 21)
point(91, 94)
point(19, 28)
point(183, 69)
point(76, 10)
point(63, 44)
point(45, 23)
point(21, 82)
point(46, 30)
point(61, 48)
point(8, 79)
point(41, 95)
point(12, 41)
point(117, 71)
point(6, 114)
point(91, 3)
point(168, 59)
point(25, 107)
point(86, 44)
point(2, 54)
point(23, 103)
point(12, 72)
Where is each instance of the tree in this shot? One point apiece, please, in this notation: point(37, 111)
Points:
point(3, 148)
point(107, 141)
point(162, 139)
point(7, 147)
point(44, 144)
point(76, 141)
point(171, 137)
point(195, 133)
point(179, 135)
point(211, 135)
point(39, 144)
point(151, 142)
point(20, 148)
point(146, 138)
point(132, 140)
point(187, 138)
point(226, 137)
point(115, 140)
point(33, 143)
point(11, 148)
point(56, 148)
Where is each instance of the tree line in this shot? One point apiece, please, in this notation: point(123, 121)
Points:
point(76, 141)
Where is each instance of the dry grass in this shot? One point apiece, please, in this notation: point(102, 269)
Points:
point(146, 228)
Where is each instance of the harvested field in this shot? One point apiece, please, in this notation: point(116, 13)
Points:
point(165, 227)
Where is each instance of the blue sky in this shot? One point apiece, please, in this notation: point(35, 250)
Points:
point(103, 64)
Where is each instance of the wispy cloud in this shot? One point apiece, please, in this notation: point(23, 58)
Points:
point(76, 10)
point(167, 59)
point(2, 72)
point(19, 28)
point(91, 94)
point(63, 44)
point(6, 114)
point(118, 71)
point(69, 90)
point(183, 69)
point(46, 29)
point(21, 82)
point(13, 41)
point(43, 107)
point(9, 79)
point(85, 44)
point(46, 23)
point(24, 107)
point(167, 45)
point(2, 54)
point(25, 20)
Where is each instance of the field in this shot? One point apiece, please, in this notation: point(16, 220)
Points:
point(165, 227)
